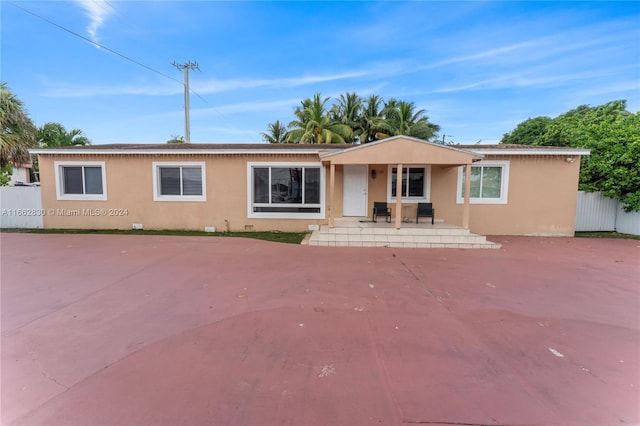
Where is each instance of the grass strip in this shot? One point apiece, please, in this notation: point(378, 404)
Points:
point(601, 234)
point(274, 236)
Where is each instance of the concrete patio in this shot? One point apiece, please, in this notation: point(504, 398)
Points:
point(363, 232)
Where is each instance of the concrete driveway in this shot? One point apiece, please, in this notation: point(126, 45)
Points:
point(152, 330)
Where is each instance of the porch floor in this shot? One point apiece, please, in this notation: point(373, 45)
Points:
point(363, 232)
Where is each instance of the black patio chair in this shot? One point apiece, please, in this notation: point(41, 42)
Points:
point(381, 209)
point(425, 210)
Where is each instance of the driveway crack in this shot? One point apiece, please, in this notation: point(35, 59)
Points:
point(422, 284)
point(44, 373)
point(35, 359)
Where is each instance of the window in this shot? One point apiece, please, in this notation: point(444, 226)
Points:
point(179, 181)
point(80, 180)
point(414, 184)
point(285, 190)
point(489, 183)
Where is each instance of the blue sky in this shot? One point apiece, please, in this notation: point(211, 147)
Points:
point(477, 68)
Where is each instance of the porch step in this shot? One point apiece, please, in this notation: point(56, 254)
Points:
point(352, 236)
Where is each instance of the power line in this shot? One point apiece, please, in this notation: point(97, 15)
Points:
point(94, 42)
point(101, 46)
point(123, 18)
point(108, 3)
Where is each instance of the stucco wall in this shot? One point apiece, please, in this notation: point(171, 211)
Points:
point(542, 197)
point(130, 187)
point(377, 187)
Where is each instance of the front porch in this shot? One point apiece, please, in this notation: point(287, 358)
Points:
point(362, 232)
point(402, 172)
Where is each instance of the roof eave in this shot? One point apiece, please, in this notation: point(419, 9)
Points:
point(537, 151)
point(169, 152)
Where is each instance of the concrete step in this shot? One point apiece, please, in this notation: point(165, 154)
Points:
point(391, 231)
point(405, 237)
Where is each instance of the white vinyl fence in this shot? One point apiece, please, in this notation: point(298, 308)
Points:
point(20, 207)
point(596, 212)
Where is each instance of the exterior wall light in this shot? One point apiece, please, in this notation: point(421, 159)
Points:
point(373, 174)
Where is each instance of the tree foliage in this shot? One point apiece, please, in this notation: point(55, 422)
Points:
point(348, 111)
point(5, 174)
point(611, 133)
point(528, 132)
point(314, 124)
point(55, 134)
point(176, 139)
point(401, 118)
point(18, 134)
point(17, 131)
point(372, 120)
point(277, 133)
point(353, 119)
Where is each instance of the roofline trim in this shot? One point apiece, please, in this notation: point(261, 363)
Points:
point(327, 153)
point(535, 151)
point(172, 151)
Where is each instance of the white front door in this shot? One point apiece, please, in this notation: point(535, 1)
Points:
point(354, 190)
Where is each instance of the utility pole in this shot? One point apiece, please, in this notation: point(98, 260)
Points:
point(186, 67)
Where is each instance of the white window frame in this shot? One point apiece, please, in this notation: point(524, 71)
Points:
point(427, 183)
point(60, 195)
point(157, 196)
point(504, 184)
point(282, 215)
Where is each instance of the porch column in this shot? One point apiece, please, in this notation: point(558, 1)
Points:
point(332, 181)
point(467, 191)
point(399, 197)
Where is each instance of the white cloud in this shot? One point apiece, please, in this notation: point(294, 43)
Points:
point(77, 91)
point(216, 86)
point(97, 11)
point(267, 106)
point(201, 87)
point(284, 105)
point(477, 56)
point(612, 88)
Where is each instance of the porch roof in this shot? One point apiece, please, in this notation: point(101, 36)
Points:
point(401, 150)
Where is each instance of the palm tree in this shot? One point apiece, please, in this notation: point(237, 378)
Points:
point(17, 131)
point(353, 119)
point(348, 111)
point(55, 134)
point(372, 120)
point(402, 119)
point(277, 133)
point(314, 124)
point(426, 131)
point(390, 108)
